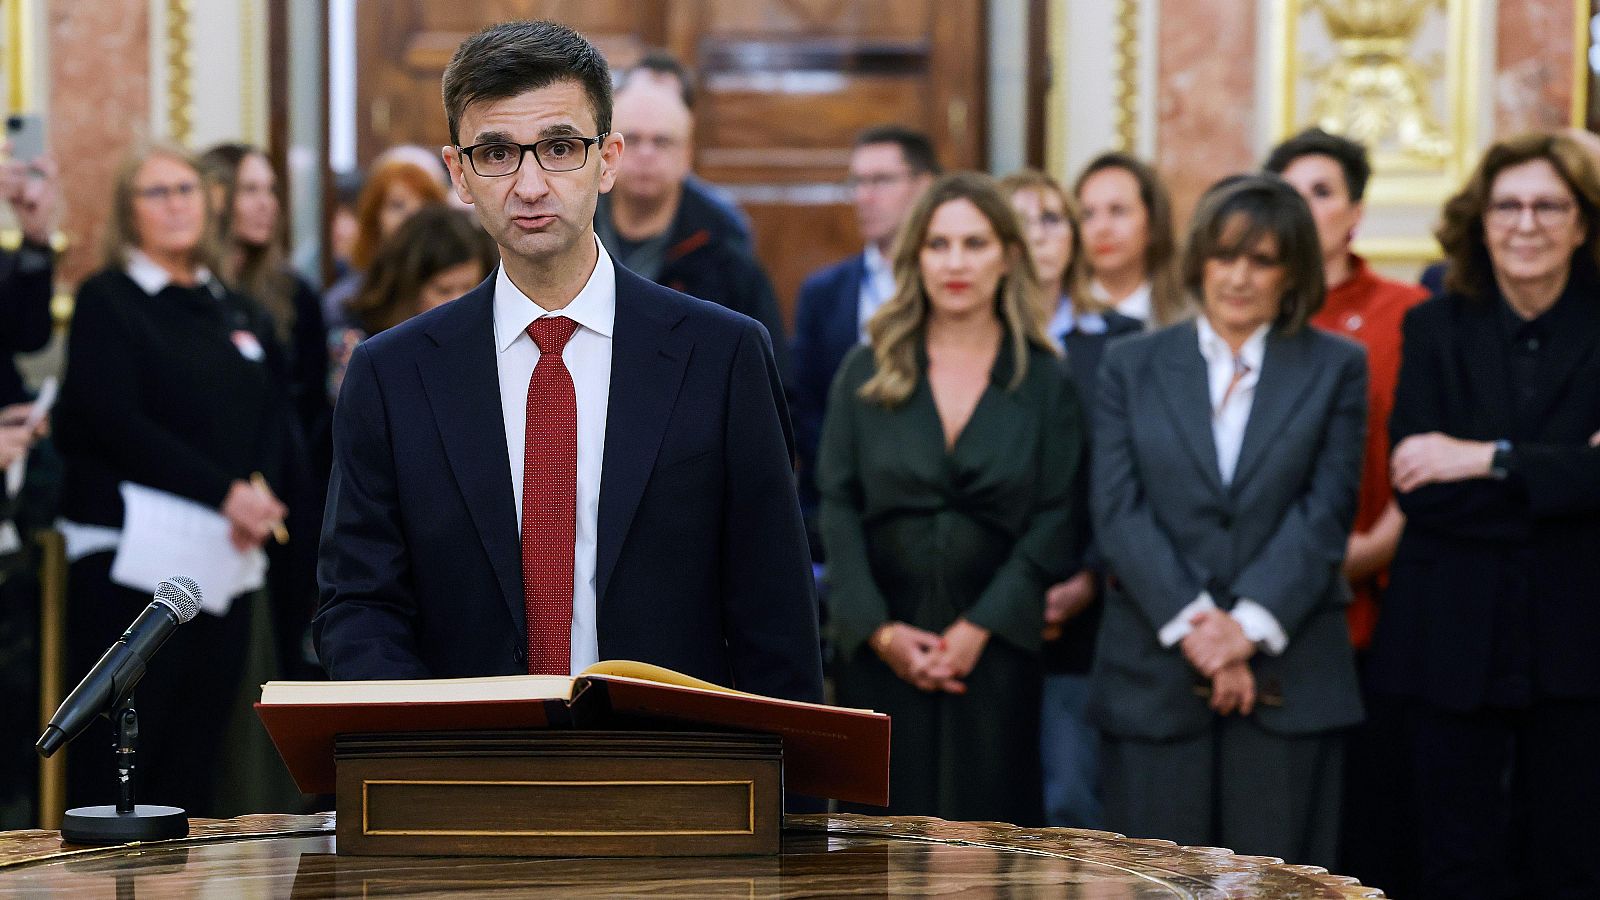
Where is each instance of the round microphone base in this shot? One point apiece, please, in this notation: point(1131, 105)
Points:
point(104, 825)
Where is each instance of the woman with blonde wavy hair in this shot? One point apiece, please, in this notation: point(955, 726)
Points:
point(947, 469)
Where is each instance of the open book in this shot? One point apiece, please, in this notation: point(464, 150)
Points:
point(828, 751)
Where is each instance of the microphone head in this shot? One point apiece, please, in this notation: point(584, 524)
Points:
point(182, 595)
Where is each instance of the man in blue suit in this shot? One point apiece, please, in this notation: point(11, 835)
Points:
point(889, 168)
point(633, 438)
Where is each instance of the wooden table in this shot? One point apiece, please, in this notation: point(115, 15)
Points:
point(838, 855)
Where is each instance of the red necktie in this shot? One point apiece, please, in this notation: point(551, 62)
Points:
point(549, 501)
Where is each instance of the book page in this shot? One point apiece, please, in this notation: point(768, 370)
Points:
point(421, 690)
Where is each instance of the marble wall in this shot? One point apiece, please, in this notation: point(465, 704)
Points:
point(98, 106)
point(1204, 95)
point(1533, 78)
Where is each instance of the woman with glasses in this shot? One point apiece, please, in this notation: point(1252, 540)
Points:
point(1490, 620)
point(947, 471)
point(1227, 451)
point(174, 383)
point(1068, 742)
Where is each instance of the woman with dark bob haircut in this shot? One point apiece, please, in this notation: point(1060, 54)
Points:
point(1490, 621)
point(1227, 450)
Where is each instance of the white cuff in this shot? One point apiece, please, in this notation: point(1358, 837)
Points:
point(1179, 628)
point(1260, 626)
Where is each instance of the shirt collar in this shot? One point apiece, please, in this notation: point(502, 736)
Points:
point(1067, 320)
point(877, 266)
point(1214, 348)
point(150, 277)
point(595, 307)
point(1136, 304)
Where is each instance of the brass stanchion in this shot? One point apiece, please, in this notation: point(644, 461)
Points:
point(52, 662)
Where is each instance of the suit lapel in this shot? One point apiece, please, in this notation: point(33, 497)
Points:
point(1286, 372)
point(462, 382)
point(846, 323)
point(1181, 375)
point(648, 358)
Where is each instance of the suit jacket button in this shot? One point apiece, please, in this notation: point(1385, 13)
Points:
point(1227, 520)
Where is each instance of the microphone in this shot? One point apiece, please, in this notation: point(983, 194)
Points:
point(113, 677)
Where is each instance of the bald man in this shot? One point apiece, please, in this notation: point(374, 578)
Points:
point(672, 236)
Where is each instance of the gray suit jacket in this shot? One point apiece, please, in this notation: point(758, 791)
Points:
point(1169, 528)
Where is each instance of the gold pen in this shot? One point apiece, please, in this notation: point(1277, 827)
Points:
point(279, 532)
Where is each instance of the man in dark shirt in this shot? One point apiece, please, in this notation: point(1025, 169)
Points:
point(673, 236)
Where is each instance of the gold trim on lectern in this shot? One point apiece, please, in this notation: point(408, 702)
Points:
point(366, 806)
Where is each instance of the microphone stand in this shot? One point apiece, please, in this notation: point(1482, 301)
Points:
point(126, 822)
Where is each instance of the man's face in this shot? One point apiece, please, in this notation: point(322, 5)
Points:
point(657, 127)
point(884, 187)
point(532, 214)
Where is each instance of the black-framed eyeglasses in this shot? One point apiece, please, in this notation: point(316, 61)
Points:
point(1548, 212)
point(493, 159)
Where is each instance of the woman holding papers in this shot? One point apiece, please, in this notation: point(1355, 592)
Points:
point(1226, 456)
point(946, 471)
point(173, 394)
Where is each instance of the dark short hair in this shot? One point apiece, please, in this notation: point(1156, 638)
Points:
point(435, 239)
point(1460, 231)
point(662, 62)
point(1269, 207)
point(513, 58)
point(913, 144)
point(1351, 157)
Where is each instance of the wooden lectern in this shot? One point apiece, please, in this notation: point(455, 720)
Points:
point(604, 764)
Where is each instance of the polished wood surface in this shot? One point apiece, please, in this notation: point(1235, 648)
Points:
point(838, 855)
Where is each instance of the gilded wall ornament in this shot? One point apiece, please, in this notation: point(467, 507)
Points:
point(1374, 91)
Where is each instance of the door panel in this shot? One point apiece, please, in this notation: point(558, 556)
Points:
point(784, 86)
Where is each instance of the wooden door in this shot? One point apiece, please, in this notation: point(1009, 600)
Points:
point(784, 86)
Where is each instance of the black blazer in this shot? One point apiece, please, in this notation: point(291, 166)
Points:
point(825, 328)
point(702, 562)
point(1534, 536)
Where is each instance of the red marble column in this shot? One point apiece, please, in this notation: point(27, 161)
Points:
point(99, 85)
point(1205, 95)
point(1533, 69)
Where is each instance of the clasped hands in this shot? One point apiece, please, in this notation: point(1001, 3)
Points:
point(1218, 649)
point(928, 660)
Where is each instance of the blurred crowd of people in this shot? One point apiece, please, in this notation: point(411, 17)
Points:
point(1227, 540)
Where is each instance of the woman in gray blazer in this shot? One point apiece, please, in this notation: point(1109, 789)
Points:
point(1227, 452)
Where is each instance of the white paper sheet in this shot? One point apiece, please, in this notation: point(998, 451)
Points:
point(41, 408)
point(165, 535)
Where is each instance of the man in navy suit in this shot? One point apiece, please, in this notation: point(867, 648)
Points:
point(889, 168)
point(495, 508)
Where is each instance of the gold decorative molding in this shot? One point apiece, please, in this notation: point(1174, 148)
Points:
point(19, 46)
point(1388, 250)
point(1127, 89)
point(249, 76)
point(180, 93)
point(1580, 63)
point(1056, 117)
point(1422, 156)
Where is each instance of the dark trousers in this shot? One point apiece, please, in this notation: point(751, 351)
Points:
point(1234, 785)
point(1508, 801)
point(1378, 845)
point(184, 701)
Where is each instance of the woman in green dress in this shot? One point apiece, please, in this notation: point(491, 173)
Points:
point(947, 469)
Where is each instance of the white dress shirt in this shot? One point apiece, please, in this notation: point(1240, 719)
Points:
point(588, 358)
point(1231, 401)
point(1066, 320)
point(1135, 306)
point(876, 288)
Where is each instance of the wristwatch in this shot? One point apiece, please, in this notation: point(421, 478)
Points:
point(883, 637)
point(1500, 462)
